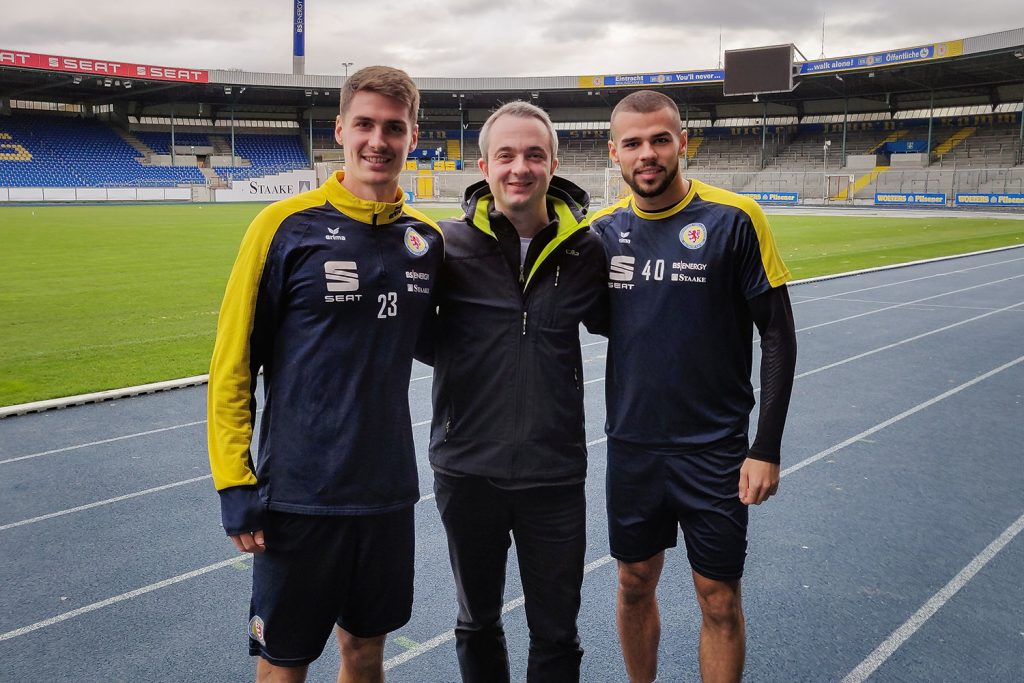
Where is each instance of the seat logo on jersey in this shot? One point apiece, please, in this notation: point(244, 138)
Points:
point(341, 276)
point(621, 268)
point(693, 236)
point(415, 243)
point(257, 631)
point(620, 272)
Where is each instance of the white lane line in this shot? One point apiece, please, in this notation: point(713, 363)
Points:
point(934, 604)
point(120, 598)
point(129, 496)
point(40, 406)
point(445, 637)
point(918, 307)
point(118, 499)
point(903, 282)
point(901, 342)
point(149, 432)
point(100, 503)
point(128, 436)
point(100, 442)
point(449, 635)
point(591, 443)
point(905, 414)
point(602, 341)
point(908, 303)
point(894, 266)
point(599, 379)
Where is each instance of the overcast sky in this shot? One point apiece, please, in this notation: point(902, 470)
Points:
point(482, 37)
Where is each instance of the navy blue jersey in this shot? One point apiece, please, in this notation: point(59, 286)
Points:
point(680, 343)
point(328, 295)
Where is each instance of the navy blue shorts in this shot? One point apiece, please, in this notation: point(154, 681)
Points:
point(318, 571)
point(649, 493)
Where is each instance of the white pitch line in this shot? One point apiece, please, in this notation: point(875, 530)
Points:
point(934, 604)
point(119, 598)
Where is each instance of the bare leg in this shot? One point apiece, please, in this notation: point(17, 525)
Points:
point(722, 630)
point(362, 659)
point(637, 617)
point(272, 673)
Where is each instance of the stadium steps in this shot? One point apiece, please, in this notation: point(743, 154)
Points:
point(145, 151)
point(221, 145)
point(954, 141)
point(212, 179)
point(692, 145)
point(862, 182)
point(454, 149)
point(892, 137)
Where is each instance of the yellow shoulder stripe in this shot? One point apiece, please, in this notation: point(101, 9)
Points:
point(774, 268)
point(229, 393)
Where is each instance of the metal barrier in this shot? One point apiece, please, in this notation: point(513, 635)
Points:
point(812, 187)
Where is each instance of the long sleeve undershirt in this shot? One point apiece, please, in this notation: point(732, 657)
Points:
point(773, 316)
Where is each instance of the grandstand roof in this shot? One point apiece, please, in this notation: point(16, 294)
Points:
point(985, 70)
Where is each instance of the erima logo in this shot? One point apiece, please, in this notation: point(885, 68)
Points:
point(332, 234)
point(621, 268)
point(341, 276)
point(624, 237)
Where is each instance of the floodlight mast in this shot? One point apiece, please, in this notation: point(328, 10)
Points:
point(824, 172)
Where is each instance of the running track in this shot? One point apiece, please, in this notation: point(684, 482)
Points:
point(893, 551)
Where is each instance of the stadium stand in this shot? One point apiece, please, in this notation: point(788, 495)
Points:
point(75, 152)
point(55, 151)
point(265, 155)
point(846, 134)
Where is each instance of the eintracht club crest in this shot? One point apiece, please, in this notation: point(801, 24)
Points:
point(693, 236)
point(415, 243)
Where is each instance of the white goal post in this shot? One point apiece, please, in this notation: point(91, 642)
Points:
point(839, 188)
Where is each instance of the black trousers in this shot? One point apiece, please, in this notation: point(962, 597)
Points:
point(549, 527)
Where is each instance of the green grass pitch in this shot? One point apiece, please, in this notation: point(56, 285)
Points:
point(100, 297)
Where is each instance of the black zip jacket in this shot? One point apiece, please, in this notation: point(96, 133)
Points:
point(508, 375)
